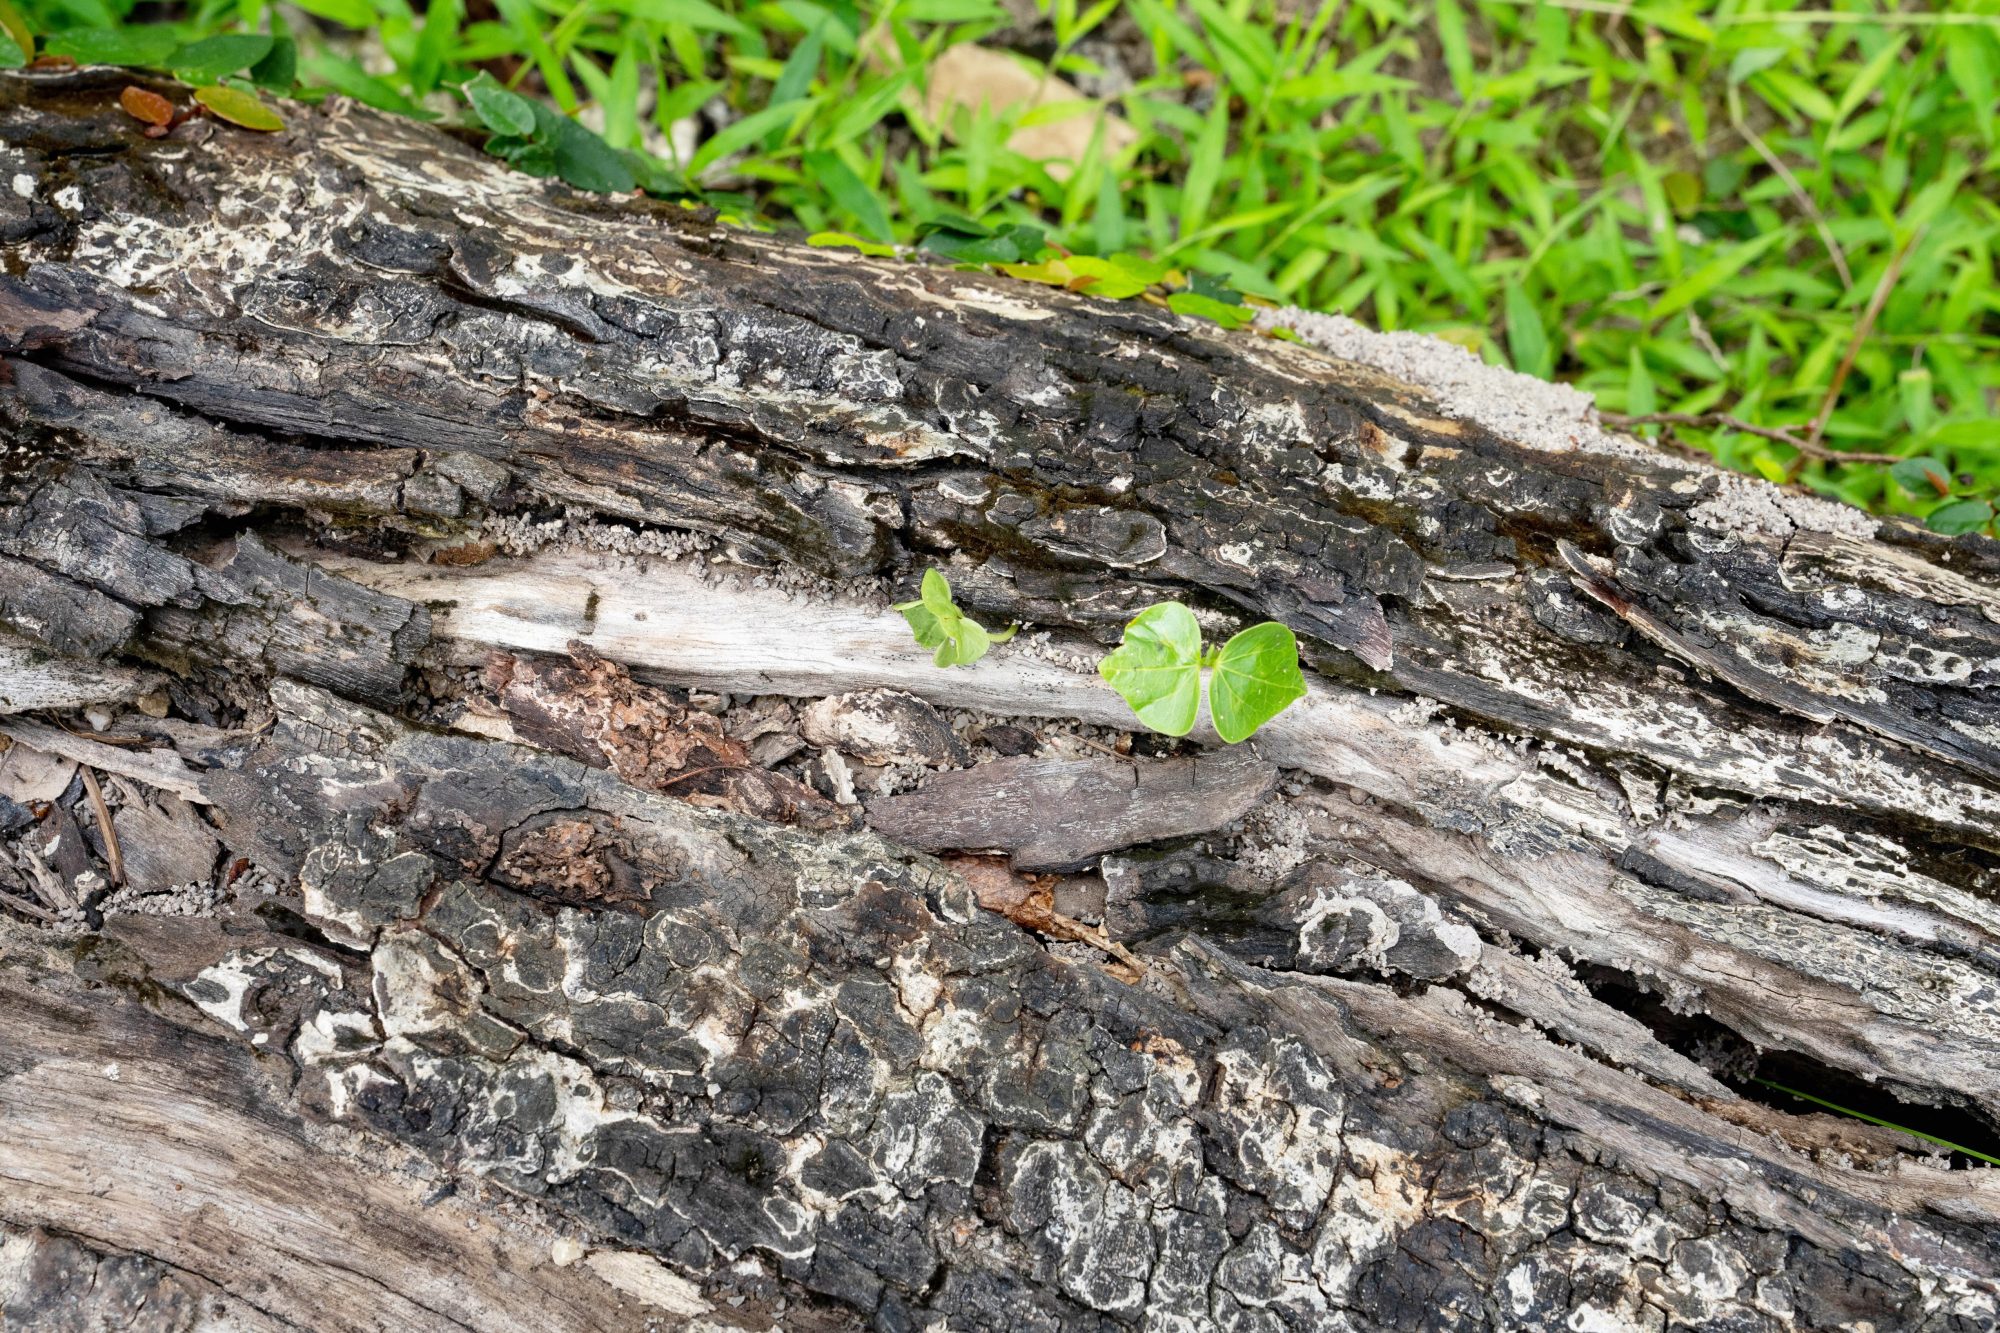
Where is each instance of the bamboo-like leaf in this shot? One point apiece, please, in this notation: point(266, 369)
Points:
point(214, 58)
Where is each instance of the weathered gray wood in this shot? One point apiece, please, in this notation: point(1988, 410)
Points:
point(1864, 946)
point(31, 678)
point(814, 1052)
point(164, 843)
point(1618, 708)
point(156, 768)
point(185, 1193)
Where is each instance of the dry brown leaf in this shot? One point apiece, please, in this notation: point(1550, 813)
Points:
point(593, 711)
point(1029, 901)
point(969, 75)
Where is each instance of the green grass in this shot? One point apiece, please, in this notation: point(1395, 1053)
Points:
point(1837, 1108)
point(1775, 224)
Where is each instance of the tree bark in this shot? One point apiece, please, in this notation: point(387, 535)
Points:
point(301, 425)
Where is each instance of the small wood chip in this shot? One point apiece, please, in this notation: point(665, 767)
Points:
point(883, 727)
point(593, 711)
point(112, 853)
point(1052, 814)
point(166, 843)
point(30, 776)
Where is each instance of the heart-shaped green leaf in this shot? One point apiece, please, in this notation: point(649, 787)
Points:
point(1960, 516)
point(1922, 477)
point(1256, 678)
point(1157, 669)
point(936, 594)
point(965, 642)
point(1015, 243)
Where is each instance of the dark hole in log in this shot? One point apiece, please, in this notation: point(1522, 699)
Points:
point(282, 919)
point(1774, 1077)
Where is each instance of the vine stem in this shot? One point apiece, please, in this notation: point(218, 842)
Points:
point(1725, 421)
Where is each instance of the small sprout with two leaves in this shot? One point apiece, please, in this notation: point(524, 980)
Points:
point(1252, 678)
point(1157, 669)
point(937, 622)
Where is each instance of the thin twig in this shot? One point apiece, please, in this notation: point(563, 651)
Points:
point(104, 738)
point(1876, 300)
point(1889, 19)
point(1724, 421)
point(111, 850)
point(1798, 192)
point(687, 774)
point(1098, 745)
point(1705, 339)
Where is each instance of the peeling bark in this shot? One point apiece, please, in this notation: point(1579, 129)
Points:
point(274, 403)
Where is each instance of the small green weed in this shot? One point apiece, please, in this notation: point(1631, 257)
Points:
point(1877, 1120)
point(956, 638)
point(1158, 667)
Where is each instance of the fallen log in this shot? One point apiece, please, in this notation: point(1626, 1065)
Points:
point(1618, 763)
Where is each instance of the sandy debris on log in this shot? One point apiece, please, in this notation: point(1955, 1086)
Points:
point(580, 530)
point(1557, 418)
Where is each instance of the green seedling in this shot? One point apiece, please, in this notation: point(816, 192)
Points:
point(955, 638)
point(1157, 669)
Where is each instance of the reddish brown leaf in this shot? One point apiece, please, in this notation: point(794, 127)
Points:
point(52, 62)
point(144, 104)
point(593, 711)
point(1029, 901)
point(466, 553)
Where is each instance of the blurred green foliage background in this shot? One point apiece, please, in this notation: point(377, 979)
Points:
point(1774, 223)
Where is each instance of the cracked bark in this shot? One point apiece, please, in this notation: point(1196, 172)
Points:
point(1617, 708)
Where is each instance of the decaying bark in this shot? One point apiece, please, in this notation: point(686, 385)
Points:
point(283, 414)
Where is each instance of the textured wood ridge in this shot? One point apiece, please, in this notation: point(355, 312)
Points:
point(1599, 711)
